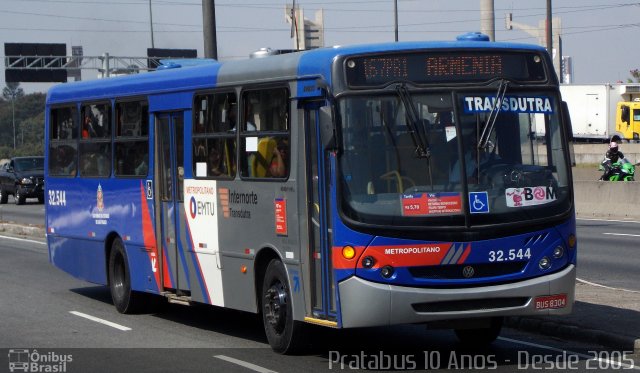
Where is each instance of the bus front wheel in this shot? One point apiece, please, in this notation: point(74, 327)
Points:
point(283, 333)
point(481, 336)
point(125, 300)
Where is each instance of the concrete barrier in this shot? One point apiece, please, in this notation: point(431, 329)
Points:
point(594, 153)
point(605, 199)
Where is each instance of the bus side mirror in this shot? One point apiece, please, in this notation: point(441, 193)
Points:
point(566, 118)
point(327, 128)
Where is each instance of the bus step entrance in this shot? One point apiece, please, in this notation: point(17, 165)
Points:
point(178, 299)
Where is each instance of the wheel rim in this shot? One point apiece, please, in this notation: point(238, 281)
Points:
point(275, 306)
point(118, 276)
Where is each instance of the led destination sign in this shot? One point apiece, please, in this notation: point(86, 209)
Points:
point(443, 67)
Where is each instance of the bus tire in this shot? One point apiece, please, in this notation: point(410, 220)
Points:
point(479, 337)
point(283, 333)
point(124, 299)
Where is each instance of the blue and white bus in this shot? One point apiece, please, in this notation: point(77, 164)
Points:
point(347, 187)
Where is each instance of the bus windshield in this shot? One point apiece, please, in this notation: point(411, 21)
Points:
point(482, 160)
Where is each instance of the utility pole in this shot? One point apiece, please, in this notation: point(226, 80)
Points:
point(209, 29)
point(487, 19)
point(549, 29)
point(151, 24)
point(13, 117)
point(395, 12)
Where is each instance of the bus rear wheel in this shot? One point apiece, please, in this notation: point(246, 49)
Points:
point(283, 333)
point(478, 337)
point(125, 300)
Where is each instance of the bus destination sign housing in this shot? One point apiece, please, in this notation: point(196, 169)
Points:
point(443, 67)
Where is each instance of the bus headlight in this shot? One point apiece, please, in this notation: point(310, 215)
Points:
point(26, 181)
point(545, 263)
point(558, 252)
point(368, 262)
point(386, 271)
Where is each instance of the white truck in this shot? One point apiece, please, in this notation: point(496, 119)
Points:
point(592, 108)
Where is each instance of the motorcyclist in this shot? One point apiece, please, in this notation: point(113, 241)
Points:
point(613, 155)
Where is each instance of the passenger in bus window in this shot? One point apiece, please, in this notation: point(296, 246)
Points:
point(141, 163)
point(66, 128)
point(278, 166)
point(199, 150)
point(85, 129)
point(66, 162)
point(216, 168)
point(233, 119)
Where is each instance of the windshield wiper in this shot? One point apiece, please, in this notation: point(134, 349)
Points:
point(418, 137)
point(493, 115)
point(422, 146)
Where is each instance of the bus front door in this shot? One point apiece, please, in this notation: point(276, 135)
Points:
point(169, 174)
point(323, 294)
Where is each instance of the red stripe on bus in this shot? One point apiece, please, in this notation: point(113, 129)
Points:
point(148, 234)
point(465, 254)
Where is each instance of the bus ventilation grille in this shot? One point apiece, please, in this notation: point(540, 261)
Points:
point(471, 305)
point(455, 271)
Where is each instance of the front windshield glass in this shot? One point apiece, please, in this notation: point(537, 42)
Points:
point(29, 164)
point(489, 168)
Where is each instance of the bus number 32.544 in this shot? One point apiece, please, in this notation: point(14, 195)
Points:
point(511, 255)
point(57, 198)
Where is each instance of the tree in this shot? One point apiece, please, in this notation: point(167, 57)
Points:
point(10, 93)
point(635, 76)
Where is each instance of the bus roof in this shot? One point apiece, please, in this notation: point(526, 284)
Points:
point(311, 63)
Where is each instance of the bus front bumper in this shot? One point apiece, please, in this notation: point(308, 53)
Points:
point(364, 303)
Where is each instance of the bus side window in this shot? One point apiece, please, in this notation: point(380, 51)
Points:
point(214, 135)
point(63, 135)
point(265, 138)
point(131, 143)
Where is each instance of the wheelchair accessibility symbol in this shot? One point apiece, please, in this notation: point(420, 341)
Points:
point(478, 202)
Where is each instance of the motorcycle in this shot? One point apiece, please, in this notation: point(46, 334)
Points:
point(622, 170)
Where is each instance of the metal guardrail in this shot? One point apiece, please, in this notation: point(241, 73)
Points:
point(105, 64)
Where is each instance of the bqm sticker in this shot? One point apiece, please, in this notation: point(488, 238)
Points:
point(530, 196)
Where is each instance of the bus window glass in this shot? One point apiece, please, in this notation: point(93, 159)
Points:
point(95, 159)
point(62, 159)
point(64, 123)
point(96, 121)
point(63, 147)
point(265, 134)
point(132, 119)
point(131, 145)
point(214, 136)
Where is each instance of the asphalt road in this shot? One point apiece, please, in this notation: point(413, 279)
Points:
point(609, 253)
point(31, 213)
point(48, 313)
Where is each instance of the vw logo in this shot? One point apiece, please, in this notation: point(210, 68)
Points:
point(468, 271)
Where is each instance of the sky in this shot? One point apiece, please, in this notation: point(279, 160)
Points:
point(597, 34)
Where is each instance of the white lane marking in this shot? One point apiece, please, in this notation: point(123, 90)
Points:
point(622, 234)
point(101, 321)
point(256, 368)
point(605, 286)
point(611, 363)
point(611, 220)
point(23, 240)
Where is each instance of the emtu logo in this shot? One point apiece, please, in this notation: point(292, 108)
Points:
point(193, 207)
